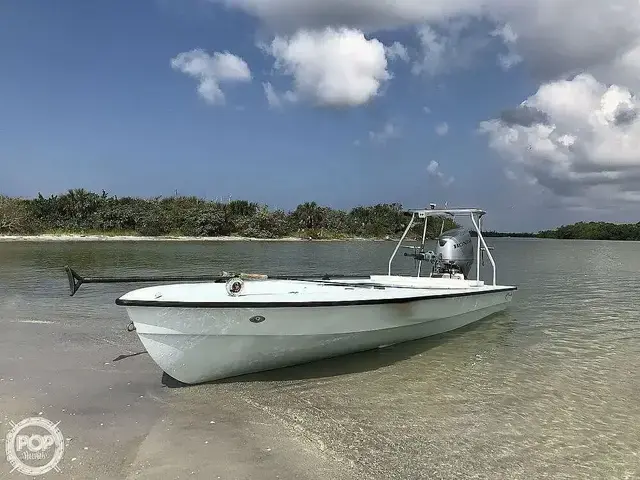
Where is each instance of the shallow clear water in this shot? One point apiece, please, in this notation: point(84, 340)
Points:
point(548, 389)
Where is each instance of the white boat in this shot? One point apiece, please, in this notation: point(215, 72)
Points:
point(198, 332)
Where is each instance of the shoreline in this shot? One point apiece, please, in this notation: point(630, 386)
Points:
point(77, 237)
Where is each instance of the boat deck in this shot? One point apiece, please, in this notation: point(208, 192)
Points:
point(376, 289)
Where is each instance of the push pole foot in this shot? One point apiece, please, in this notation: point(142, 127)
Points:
point(75, 280)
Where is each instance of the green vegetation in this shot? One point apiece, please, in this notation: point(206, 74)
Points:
point(595, 231)
point(84, 212)
point(582, 231)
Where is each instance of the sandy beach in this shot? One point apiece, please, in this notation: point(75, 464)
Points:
point(120, 422)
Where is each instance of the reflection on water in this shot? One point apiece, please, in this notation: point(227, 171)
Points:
point(547, 389)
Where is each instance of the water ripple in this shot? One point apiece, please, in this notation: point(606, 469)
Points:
point(548, 389)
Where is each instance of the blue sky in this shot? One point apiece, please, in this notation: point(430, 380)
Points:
point(89, 99)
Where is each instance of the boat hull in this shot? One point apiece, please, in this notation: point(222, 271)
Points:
point(195, 345)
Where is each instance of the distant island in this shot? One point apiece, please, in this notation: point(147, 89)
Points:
point(81, 212)
point(582, 231)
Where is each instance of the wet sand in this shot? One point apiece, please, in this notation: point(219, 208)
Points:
point(120, 421)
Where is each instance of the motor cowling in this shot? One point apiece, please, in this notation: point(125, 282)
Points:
point(454, 252)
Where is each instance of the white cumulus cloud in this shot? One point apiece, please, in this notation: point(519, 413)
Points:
point(273, 99)
point(331, 67)
point(442, 129)
point(211, 71)
point(551, 36)
point(448, 46)
point(559, 37)
point(290, 15)
point(509, 38)
point(434, 170)
point(397, 51)
point(577, 138)
point(389, 131)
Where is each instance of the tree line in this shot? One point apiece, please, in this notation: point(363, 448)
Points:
point(595, 231)
point(82, 211)
point(581, 231)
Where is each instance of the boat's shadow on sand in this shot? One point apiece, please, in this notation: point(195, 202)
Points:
point(368, 360)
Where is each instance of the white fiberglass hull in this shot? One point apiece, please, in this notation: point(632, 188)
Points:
point(195, 344)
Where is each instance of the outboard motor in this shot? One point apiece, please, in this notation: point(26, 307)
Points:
point(454, 253)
